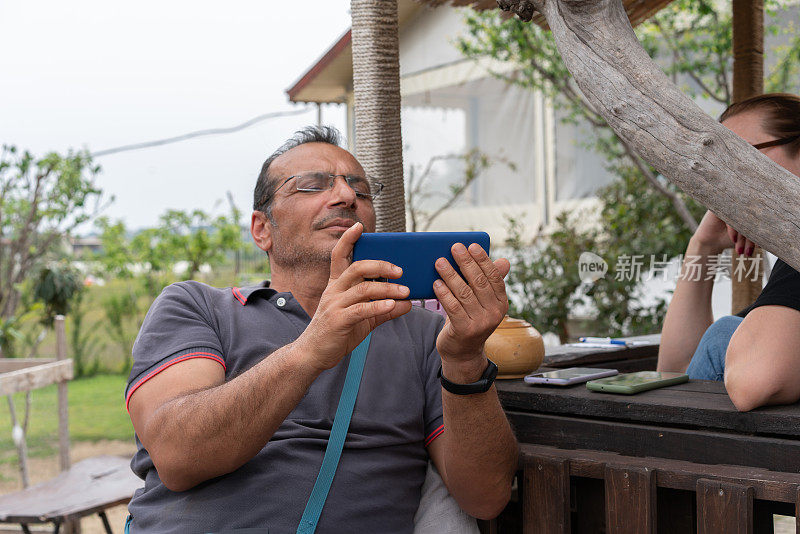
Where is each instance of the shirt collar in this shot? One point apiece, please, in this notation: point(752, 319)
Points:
point(243, 294)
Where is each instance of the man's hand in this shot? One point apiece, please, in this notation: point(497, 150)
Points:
point(714, 235)
point(351, 306)
point(475, 304)
point(477, 454)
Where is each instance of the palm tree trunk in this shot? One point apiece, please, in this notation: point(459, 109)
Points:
point(376, 84)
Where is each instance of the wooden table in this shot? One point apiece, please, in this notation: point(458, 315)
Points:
point(641, 355)
point(674, 459)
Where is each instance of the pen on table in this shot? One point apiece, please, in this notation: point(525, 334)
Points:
point(604, 340)
point(594, 345)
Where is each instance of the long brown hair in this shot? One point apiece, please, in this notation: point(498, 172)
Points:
point(781, 116)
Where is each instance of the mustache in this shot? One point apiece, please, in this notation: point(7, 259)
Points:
point(338, 214)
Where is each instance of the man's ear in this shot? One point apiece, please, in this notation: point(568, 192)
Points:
point(261, 230)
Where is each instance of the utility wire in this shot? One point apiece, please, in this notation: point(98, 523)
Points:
point(199, 133)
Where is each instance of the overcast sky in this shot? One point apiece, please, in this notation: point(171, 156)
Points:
point(97, 74)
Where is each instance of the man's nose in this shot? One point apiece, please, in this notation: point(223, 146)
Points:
point(341, 192)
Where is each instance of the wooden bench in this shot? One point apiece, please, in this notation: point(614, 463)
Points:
point(88, 487)
point(85, 488)
point(677, 459)
point(591, 491)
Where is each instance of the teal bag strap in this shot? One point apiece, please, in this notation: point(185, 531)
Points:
point(341, 422)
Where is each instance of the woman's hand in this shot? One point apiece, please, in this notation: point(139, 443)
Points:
point(715, 235)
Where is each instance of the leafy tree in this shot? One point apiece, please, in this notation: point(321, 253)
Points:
point(117, 255)
point(196, 238)
point(41, 202)
point(141, 258)
point(543, 282)
point(56, 287)
point(147, 259)
point(12, 333)
point(641, 212)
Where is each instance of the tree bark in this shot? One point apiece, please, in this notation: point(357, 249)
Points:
point(376, 87)
point(706, 160)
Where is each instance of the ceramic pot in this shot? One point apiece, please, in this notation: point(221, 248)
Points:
point(516, 347)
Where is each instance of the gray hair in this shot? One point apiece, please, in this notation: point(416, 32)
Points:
point(265, 185)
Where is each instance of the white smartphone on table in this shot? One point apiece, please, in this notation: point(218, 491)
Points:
point(568, 377)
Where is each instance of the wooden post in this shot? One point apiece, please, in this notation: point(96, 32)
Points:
point(797, 511)
point(748, 81)
point(70, 527)
point(723, 507)
point(63, 407)
point(630, 500)
point(546, 506)
point(19, 436)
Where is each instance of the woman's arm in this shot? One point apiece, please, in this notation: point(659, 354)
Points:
point(689, 313)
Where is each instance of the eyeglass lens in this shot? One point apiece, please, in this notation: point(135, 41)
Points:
point(320, 181)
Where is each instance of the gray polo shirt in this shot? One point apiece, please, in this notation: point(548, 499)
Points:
point(397, 414)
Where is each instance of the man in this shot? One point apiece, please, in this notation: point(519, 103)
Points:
point(756, 352)
point(233, 392)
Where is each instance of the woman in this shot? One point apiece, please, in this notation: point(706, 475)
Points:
point(757, 351)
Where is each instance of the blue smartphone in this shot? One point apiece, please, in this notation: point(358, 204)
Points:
point(416, 253)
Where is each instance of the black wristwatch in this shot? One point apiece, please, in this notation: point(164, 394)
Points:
point(481, 386)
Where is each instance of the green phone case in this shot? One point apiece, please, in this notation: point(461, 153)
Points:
point(630, 383)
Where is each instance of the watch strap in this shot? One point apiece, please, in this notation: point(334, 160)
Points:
point(482, 385)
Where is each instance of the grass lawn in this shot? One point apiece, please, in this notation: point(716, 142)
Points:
point(96, 412)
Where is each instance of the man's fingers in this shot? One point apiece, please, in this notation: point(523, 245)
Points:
point(495, 271)
point(401, 308)
point(359, 270)
point(364, 311)
point(457, 286)
point(474, 274)
point(503, 267)
point(366, 291)
point(449, 302)
point(343, 250)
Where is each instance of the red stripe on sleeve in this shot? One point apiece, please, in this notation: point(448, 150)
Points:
point(157, 370)
point(433, 435)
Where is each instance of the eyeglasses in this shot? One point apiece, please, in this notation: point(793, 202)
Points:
point(318, 181)
point(777, 142)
